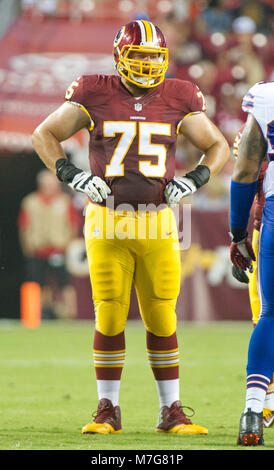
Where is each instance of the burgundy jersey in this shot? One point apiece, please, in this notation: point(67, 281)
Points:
point(133, 141)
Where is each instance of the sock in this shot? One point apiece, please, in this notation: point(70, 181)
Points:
point(256, 391)
point(109, 389)
point(109, 358)
point(163, 356)
point(168, 391)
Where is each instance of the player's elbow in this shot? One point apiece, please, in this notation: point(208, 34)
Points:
point(224, 149)
point(220, 148)
point(245, 175)
point(222, 153)
point(217, 155)
point(41, 137)
point(37, 137)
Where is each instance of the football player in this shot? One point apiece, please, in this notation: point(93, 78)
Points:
point(256, 142)
point(250, 277)
point(133, 118)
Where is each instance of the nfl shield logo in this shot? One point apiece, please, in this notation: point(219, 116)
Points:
point(138, 107)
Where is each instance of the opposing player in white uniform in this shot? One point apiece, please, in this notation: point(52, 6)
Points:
point(257, 140)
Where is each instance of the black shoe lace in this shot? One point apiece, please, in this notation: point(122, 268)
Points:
point(102, 411)
point(179, 409)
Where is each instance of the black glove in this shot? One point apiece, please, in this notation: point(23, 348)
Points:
point(240, 275)
point(93, 186)
point(182, 186)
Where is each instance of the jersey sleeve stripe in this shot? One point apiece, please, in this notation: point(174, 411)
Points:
point(92, 124)
point(248, 102)
point(179, 124)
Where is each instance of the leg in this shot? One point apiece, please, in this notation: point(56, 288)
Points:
point(111, 271)
point(255, 304)
point(261, 350)
point(157, 282)
point(260, 364)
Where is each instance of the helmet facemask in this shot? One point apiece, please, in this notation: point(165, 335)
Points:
point(142, 72)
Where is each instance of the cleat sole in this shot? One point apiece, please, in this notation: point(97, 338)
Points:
point(250, 439)
point(98, 428)
point(184, 429)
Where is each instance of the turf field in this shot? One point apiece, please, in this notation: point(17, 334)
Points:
point(48, 389)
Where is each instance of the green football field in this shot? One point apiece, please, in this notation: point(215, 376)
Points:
point(48, 388)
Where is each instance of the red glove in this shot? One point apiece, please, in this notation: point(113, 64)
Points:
point(242, 254)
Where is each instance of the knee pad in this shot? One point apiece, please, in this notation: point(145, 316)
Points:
point(160, 317)
point(110, 316)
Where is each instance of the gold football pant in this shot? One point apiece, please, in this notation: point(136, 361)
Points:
point(252, 286)
point(139, 247)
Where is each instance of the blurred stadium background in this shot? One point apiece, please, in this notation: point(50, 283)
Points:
point(224, 46)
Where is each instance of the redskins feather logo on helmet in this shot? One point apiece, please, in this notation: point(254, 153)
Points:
point(140, 53)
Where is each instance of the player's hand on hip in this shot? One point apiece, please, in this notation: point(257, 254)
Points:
point(178, 188)
point(93, 186)
point(242, 254)
point(183, 186)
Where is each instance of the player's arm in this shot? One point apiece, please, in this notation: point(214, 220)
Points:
point(251, 153)
point(205, 136)
point(59, 126)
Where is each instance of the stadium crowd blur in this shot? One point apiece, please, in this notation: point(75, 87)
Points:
point(224, 46)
